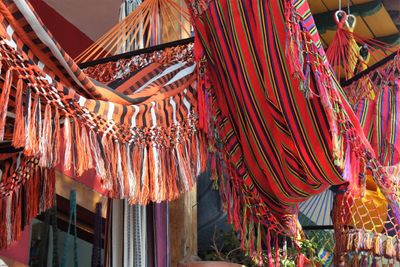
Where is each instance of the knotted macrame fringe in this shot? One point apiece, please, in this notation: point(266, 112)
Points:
point(32, 193)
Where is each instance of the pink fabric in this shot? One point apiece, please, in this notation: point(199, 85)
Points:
point(19, 251)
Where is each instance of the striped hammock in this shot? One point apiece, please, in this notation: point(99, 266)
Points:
point(278, 125)
point(141, 136)
point(285, 129)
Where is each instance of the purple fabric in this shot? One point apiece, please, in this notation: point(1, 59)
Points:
point(160, 212)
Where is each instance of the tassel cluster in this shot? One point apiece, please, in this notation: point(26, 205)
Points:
point(26, 190)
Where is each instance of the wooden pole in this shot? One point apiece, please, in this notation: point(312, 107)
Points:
point(183, 228)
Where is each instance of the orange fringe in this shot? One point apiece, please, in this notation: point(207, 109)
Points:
point(4, 98)
point(46, 139)
point(32, 147)
point(57, 139)
point(83, 153)
point(19, 125)
point(68, 143)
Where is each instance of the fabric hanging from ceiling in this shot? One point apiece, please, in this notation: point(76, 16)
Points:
point(368, 222)
point(143, 230)
point(280, 126)
point(285, 127)
point(48, 102)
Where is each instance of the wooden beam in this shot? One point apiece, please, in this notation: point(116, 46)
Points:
point(183, 227)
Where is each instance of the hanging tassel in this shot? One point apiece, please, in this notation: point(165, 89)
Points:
point(28, 102)
point(389, 248)
point(4, 98)
point(137, 153)
point(131, 183)
point(172, 175)
point(364, 260)
point(153, 173)
point(68, 143)
point(124, 166)
point(77, 147)
point(32, 146)
point(107, 146)
point(162, 172)
point(19, 125)
point(83, 153)
point(375, 262)
point(368, 241)
point(184, 170)
point(98, 156)
point(120, 171)
point(355, 262)
point(378, 245)
point(269, 250)
point(144, 178)
point(45, 145)
point(57, 139)
point(277, 254)
point(86, 148)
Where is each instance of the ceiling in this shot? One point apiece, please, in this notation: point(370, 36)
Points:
point(375, 18)
point(92, 17)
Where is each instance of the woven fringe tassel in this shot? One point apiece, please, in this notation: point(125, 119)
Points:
point(390, 251)
point(4, 98)
point(153, 173)
point(258, 253)
point(137, 153)
point(124, 164)
point(134, 183)
point(172, 176)
point(184, 170)
point(368, 241)
point(162, 174)
point(277, 255)
point(378, 246)
point(269, 249)
point(98, 157)
point(108, 148)
point(398, 250)
point(77, 146)
point(364, 261)
point(83, 151)
point(244, 233)
point(46, 141)
point(3, 219)
point(86, 148)
point(355, 262)
point(17, 216)
point(120, 171)
point(375, 262)
point(144, 178)
point(68, 143)
point(19, 125)
point(57, 139)
point(32, 146)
